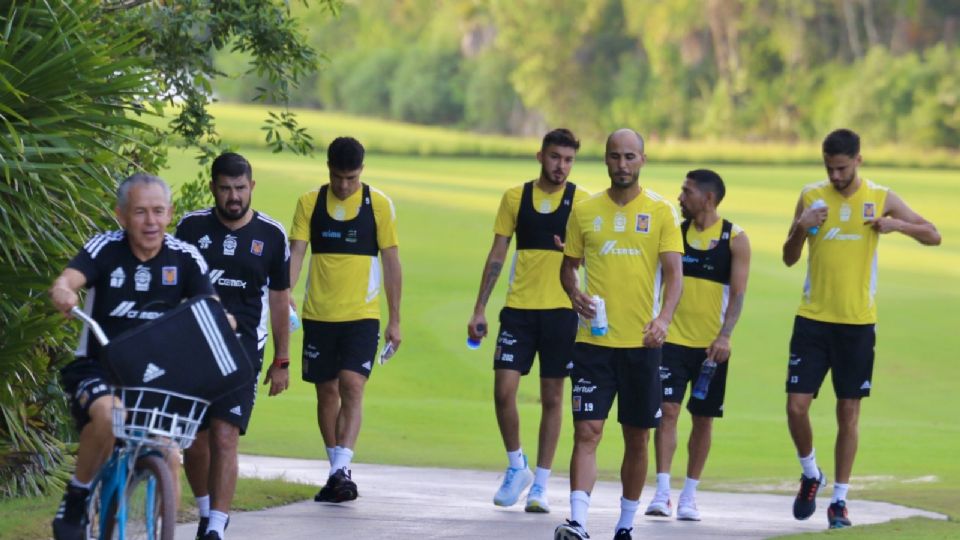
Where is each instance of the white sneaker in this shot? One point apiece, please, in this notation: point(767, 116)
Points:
point(660, 505)
point(537, 500)
point(514, 482)
point(571, 530)
point(687, 509)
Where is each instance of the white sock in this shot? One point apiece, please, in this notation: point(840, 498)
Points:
point(516, 459)
point(76, 483)
point(839, 492)
point(809, 465)
point(540, 477)
point(663, 482)
point(341, 459)
point(628, 511)
point(203, 506)
point(689, 488)
point(579, 505)
point(218, 522)
point(330, 454)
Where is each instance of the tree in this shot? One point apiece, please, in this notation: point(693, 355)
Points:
point(76, 79)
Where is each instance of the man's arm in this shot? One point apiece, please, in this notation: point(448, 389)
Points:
point(491, 271)
point(802, 220)
point(899, 217)
point(63, 292)
point(581, 301)
point(719, 350)
point(392, 282)
point(298, 250)
point(656, 330)
point(278, 374)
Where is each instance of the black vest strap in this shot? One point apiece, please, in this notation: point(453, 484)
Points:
point(536, 230)
point(357, 236)
point(711, 264)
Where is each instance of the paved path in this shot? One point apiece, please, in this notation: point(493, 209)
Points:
point(410, 502)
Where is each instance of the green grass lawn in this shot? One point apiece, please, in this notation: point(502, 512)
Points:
point(432, 404)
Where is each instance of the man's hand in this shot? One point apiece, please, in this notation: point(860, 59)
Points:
point(812, 217)
point(64, 299)
point(884, 225)
point(583, 304)
point(477, 327)
point(392, 335)
point(654, 333)
point(719, 350)
point(278, 378)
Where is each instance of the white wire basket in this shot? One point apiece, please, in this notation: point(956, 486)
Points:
point(155, 417)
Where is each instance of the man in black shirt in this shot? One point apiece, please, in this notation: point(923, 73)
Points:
point(249, 262)
point(132, 275)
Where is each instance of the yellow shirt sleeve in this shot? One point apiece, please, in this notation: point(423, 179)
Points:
point(386, 216)
point(506, 222)
point(671, 238)
point(574, 242)
point(302, 215)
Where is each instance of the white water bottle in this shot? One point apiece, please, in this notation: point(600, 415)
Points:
point(598, 325)
point(819, 203)
point(294, 320)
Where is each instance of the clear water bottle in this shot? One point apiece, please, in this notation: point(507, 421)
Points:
point(598, 325)
point(474, 344)
point(702, 385)
point(294, 320)
point(819, 203)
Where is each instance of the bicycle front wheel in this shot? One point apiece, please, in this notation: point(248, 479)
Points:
point(151, 502)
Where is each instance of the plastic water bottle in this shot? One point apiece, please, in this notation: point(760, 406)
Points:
point(702, 385)
point(819, 203)
point(474, 344)
point(598, 325)
point(294, 320)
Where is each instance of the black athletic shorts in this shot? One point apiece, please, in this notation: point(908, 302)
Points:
point(680, 368)
point(631, 375)
point(237, 406)
point(329, 347)
point(549, 333)
point(846, 350)
point(84, 380)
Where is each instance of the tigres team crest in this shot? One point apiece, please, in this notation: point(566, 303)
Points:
point(643, 223)
point(869, 210)
point(256, 248)
point(169, 275)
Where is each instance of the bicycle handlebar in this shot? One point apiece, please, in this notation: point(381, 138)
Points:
point(94, 326)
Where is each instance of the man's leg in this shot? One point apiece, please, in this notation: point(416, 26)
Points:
point(328, 410)
point(196, 465)
point(633, 472)
point(848, 435)
point(551, 419)
point(583, 467)
point(798, 420)
point(505, 384)
point(665, 444)
point(698, 447)
point(351, 408)
point(224, 442)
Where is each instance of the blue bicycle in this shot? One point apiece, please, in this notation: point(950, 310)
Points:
point(133, 496)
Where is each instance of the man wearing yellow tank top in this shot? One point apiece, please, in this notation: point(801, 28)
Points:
point(628, 238)
point(716, 261)
point(537, 318)
point(349, 227)
point(841, 218)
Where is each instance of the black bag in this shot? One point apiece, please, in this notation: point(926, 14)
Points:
point(191, 350)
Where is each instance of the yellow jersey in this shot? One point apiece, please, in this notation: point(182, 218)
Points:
point(534, 273)
point(699, 314)
point(842, 262)
point(621, 247)
point(343, 286)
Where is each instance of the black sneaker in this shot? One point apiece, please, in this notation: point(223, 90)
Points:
point(571, 530)
point(202, 527)
point(70, 521)
point(806, 502)
point(837, 515)
point(623, 534)
point(212, 535)
point(339, 488)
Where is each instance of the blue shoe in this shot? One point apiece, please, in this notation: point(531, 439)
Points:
point(514, 482)
point(806, 502)
point(837, 515)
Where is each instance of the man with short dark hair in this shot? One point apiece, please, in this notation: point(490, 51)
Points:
point(716, 261)
point(349, 227)
point(537, 318)
point(628, 238)
point(841, 218)
point(249, 259)
point(133, 276)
